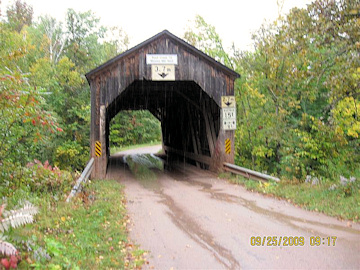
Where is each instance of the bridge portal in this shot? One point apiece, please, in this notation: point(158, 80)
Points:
point(190, 93)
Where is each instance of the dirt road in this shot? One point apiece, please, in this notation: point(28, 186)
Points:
point(190, 219)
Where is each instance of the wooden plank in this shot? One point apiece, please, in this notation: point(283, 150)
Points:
point(183, 126)
point(196, 116)
point(211, 120)
point(102, 161)
point(208, 131)
point(193, 135)
point(141, 65)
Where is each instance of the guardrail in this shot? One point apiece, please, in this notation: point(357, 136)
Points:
point(83, 178)
point(248, 173)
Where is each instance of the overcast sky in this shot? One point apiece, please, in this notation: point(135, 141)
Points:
point(234, 20)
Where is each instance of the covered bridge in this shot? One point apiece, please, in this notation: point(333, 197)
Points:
point(190, 93)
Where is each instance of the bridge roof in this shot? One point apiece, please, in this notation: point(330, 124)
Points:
point(175, 39)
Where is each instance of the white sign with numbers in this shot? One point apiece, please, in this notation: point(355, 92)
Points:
point(229, 113)
point(229, 118)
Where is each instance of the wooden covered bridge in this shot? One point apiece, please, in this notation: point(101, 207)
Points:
point(190, 93)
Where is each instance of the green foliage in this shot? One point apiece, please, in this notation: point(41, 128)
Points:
point(297, 108)
point(19, 14)
point(43, 86)
point(205, 38)
point(51, 38)
point(134, 127)
point(83, 45)
point(49, 179)
point(346, 116)
point(25, 122)
point(298, 95)
point(45, 115)
point(36, 179)
point(71, 155)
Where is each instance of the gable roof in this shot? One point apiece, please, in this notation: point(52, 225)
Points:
point(175, 39)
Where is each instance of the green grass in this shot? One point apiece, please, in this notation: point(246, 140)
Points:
point(114, 150)
point(341, 202)
point(88, 233)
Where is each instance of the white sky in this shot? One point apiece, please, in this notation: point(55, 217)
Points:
point(234, 20)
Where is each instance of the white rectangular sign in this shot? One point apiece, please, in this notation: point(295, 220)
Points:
point(229, 113)
point(166, 59)
point(163, 72)
point(229, 118)
point(229, 124)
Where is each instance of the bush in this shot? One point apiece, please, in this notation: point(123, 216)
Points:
point(45, 178)
point(35, 179)
point(71, 156)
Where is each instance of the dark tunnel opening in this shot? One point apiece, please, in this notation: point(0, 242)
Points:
point(189, 117)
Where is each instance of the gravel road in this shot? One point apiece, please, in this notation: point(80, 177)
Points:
point(190, 219)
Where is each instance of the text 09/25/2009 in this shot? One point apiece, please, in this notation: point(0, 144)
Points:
point(290, 241)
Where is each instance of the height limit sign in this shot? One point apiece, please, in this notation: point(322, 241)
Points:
point(228, 108)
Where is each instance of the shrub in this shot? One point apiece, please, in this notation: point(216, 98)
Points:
point(71, 156)
point(45, 178)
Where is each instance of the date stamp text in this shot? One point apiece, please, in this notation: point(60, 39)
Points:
point(291, 241)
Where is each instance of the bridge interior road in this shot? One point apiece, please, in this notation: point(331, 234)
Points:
point(188, 218)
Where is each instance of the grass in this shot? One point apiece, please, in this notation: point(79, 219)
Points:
point(341, 202)
point(88, 233)
point(114, 150)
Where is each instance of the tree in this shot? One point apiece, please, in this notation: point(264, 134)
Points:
point(84, 34)
point(295, 83)
point(134, 127)
point(24, 122)
point(54, 39)
point(115, 42)
point(206, 39)
point(19, 14)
